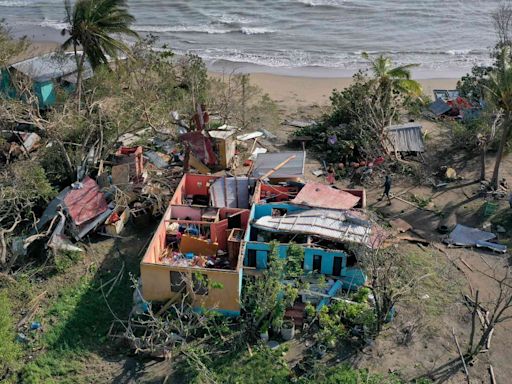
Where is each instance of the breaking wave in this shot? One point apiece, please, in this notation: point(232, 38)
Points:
point(54, 24)
point(14, 3)
point(209, 29)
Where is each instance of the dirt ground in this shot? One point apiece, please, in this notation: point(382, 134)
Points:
point(459, 202)
point(433, 343)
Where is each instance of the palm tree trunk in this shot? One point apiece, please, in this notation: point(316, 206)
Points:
point(501, 148)
point(79, 71)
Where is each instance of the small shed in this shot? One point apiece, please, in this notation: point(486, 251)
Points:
point(47, 70)
point(293, 169)
point(405, 138)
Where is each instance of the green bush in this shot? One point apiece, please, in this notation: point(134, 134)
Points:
point(10, 351)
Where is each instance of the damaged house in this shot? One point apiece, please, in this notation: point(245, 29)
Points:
point(45, 72)
point(196, 248)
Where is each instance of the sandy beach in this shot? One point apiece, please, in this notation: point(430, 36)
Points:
point(295, 91)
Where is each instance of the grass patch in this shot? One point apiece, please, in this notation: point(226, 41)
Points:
point(442, 283)
point(54, 367)
point(420, 201)
point(65, 259)
point(75, 326)
point(10, 350)
point(264, 366)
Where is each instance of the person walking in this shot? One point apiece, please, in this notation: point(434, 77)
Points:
point(387, 189)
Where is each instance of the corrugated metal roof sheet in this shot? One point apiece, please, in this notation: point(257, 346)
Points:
point(406, 138)
point(230, 192)
point(467, 236)
point(86, 203)
point(439, 107)
point(324, 196)
point(52, 66)
point(267, 161)
point(334, 225)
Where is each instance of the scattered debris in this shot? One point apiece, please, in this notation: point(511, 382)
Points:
point(318, 172)
point(406, 138)
point(292, 169)
point(467, 236)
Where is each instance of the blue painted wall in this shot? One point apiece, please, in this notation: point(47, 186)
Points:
point(327, 263)
point(351, 277)
point(45, 91)
point(5, 84)
point(328, 256)
point(261, 210)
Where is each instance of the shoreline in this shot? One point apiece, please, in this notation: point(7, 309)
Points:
point(290, 89)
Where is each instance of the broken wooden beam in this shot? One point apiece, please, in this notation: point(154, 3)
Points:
point(466, 264)
point(489, 337)
point(414, 239)
point(491, 374)
point(461, 355)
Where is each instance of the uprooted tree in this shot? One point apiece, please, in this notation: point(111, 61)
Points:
point(23, 186)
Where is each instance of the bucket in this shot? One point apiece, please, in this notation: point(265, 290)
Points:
point(288, 330)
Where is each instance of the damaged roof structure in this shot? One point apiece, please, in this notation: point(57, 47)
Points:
point(45, 72)
point(208, 221)
point(334, 225)
point(323, 196)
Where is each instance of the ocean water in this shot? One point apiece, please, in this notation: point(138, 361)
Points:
point(315, 37)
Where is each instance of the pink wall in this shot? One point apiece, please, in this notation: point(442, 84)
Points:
point(182, 211)
point(192, 184)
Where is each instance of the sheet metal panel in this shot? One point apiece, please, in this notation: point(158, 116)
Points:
point(267, 161)
point(323, 196)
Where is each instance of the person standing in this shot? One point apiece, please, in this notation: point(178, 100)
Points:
point(387, 189)
point(331, 179)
